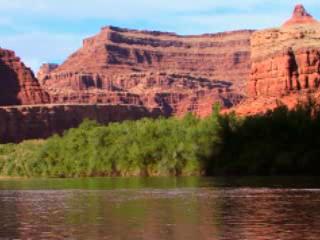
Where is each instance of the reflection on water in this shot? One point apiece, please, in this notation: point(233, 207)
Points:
point(163, 208)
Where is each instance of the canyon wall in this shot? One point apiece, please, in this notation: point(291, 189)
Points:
point(123, 74)
point(128, 74)
point(154, 69)
point(285, 64)
point(45, 70)
point(285, 60)
point(18, 84)
point(34, 122)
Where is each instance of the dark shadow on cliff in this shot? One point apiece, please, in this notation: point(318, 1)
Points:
point(9, 86)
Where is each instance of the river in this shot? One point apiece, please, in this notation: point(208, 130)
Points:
point(160, 208)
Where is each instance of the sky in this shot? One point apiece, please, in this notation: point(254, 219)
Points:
point(42, 31)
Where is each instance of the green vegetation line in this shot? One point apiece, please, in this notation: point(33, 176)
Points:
point(280, 142)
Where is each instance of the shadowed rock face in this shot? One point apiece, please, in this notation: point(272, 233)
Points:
point(33, 122)
point(154, 69)
point(18, 84)
point(285, 64)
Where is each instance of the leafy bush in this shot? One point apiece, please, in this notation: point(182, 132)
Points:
point(280, 142)
point(147, 147)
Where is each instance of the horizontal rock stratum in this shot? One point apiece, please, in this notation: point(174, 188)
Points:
point(178, 74)
point(42, 121)
point(123, 74)
point(300, 16)
point(18, 85)
point(285, 64)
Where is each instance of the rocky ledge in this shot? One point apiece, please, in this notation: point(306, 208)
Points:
point(285, 64)
point(154, 69)
point(41, 121)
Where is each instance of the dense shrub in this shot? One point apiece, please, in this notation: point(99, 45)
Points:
point(280, 142)
point(141, 148)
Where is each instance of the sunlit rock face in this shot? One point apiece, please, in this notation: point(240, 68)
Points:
point(300, 16)
point(179, 74)
point(45, 70)
point(285, 61)
point(18, 86)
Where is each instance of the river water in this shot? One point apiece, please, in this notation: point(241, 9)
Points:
point(160, 208)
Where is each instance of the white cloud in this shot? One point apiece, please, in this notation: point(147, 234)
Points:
point(239, 21)
point(183, 16)
point(125, 9)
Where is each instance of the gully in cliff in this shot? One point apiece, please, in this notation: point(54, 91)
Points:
point(285, 65)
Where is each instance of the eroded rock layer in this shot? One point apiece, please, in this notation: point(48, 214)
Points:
point(45, 70)
point(154, 69)
point(18, 84)
point(285, 62)
point(33, 122)
point(300, 16)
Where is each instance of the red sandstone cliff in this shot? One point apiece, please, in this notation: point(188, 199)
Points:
point(285, 64)
point(129, 74)
point(45, 70)
point(171, 73)
point(154, 69)
point(18, 84)
point(300, 16)
point(36, 119)
point(33, 122)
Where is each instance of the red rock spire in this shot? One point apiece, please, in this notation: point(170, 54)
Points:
point(300, 16)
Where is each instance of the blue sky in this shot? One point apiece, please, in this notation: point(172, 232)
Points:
point(50, 30)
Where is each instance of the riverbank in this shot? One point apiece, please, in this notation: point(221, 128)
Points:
point(280, 142)
point(12, 178)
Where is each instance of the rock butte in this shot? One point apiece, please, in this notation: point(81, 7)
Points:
point(285, 64)
point(300, 16)
point(18, 84)
point(178, 74)
point(128, 74)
